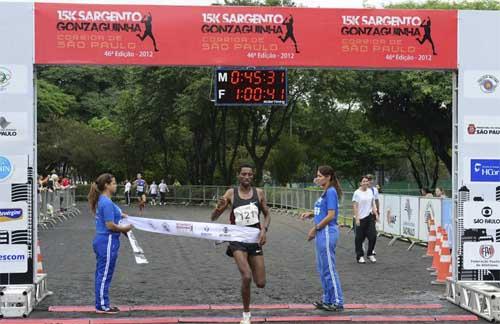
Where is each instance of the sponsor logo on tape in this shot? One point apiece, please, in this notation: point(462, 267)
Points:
point(184, 227)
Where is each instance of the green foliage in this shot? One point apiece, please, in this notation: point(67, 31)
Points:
point(286, 159)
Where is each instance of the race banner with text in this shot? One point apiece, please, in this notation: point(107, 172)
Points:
point(248, 36)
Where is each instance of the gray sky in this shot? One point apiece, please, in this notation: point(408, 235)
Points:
point(305, 3)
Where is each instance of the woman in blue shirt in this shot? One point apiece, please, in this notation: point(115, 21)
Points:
point(326, 232)
point(107, 239)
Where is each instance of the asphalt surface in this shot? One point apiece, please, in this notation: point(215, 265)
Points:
point(193, 271)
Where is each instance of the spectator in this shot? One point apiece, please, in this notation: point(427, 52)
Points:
point(163, 192)
point(128, 187)
point(153, 193)
point(440, 193)
point(366, 214)
point(426, 192)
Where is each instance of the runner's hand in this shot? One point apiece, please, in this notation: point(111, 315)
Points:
point(358, 222)
point(262, 238)
point(222, 203)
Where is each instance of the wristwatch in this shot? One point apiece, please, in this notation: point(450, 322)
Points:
point(318, 228)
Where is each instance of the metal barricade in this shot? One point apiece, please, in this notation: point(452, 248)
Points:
point(56, 206)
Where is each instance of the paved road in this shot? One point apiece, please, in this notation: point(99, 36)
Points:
point(193, 271)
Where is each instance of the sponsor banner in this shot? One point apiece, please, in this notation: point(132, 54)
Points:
point(14, 79)
point(409, 216)
point(209, 231)
point(248, 36)
point(13, 169)
point(13, 127)
point(482, 214)
point(13, 216)
point(447, 219)
point(13, 258)
point(482, 84)
point(485, 170)
point(380, 224)
point(430, 208)
point(391, 215)
point(482, 129)
point(481, 256)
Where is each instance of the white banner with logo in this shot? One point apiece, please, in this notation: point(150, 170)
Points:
point(380, 224)
point(13, 215)
point(208, 231)
point(14, 258)
point(391, 215)
point(481, 214)
point(13, 168)
point(430, 208)
point(482, 129)
point(481, 84)
point(481, 256)
point(409, 216)
point(14, 127)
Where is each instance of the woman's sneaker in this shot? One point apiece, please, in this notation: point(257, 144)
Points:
point(361, 260)
point(318, 305)
point(372, 259)
point(110, 311)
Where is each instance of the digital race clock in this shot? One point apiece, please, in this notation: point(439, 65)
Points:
point(261, 86)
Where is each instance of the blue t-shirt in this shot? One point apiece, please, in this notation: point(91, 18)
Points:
point(107, 211)
point(327, 201)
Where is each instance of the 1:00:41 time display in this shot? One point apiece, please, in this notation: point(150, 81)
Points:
point(258, 94)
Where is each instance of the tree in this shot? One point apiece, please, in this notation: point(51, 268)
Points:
point(286, 159)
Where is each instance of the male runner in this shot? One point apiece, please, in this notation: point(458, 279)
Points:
point(140, 185)
point(247, 202)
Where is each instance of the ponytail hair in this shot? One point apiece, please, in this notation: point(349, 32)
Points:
point(97, 188)
point(327, 170)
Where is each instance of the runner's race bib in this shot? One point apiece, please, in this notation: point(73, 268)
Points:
point(246, 215)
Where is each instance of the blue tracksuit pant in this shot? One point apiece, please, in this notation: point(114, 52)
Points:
point(106, 247)
point(326, 241)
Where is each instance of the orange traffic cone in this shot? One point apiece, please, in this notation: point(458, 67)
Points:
point(437, 249)
point(443, 268)
point(431, 244)
point(39, 258)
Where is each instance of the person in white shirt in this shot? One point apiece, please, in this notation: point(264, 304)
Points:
point(163, 192)
point(128, 186)
point(365, 213)
point(153, 192)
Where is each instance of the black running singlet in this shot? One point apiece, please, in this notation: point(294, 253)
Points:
point(246, 212)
